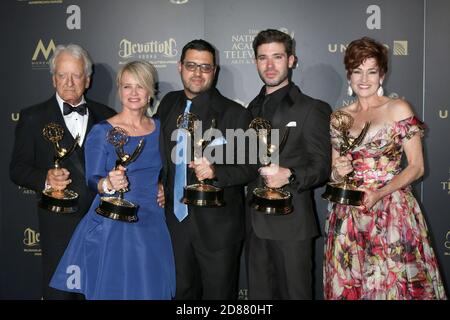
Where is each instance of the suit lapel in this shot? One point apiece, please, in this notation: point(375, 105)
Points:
point(91, 121)
point(168, 126)
point(170, 122)
point(283, 114)
point(207, 108)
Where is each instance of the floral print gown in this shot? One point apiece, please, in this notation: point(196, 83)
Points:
point(384, 253)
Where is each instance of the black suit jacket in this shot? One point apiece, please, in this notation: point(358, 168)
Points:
point(308, 152)
point(216, 228)
point(32, 157)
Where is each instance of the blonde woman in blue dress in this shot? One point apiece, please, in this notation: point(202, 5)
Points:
point(113, 259)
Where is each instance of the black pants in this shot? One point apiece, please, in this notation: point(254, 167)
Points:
point(202, 273)
point(279, 269)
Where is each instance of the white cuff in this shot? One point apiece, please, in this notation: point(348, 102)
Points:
point(47, 186)
point(105, 188)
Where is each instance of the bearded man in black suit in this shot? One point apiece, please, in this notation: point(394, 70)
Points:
point(207, 241)
point(32, 163)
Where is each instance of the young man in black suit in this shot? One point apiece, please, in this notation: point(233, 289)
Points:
point(32, 158)
point(279, 248)
point(207, 241)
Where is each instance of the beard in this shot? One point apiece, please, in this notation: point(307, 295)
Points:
point(274, 82)
point(196, 89)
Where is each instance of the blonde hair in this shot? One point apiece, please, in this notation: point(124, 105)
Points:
point(143, 72)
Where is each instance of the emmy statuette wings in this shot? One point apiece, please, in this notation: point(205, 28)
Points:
point(118, 208)
point(345, 192)
point(270, 201)
point(59, 201)
point(203, 193)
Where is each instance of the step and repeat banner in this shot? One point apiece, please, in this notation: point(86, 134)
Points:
point(117, 31)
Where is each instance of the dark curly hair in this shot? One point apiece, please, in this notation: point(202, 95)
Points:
point(272, 35)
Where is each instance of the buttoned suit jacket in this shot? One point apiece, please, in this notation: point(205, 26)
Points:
point(216, 228)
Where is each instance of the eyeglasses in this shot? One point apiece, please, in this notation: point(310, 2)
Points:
point(192, 66)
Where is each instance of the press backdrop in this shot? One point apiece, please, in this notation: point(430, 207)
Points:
point(116, 31)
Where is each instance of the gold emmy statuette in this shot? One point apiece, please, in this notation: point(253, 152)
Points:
point(58, 201)
point(117, 208)
point(201, 194)
point(345, 192)
point(271, 201)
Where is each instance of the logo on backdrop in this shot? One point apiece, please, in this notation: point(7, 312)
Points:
point(27, 191)
point(31, 242)
point(240, 48)
point(399, 47)
point(15, 116)
point(243, 294)
point(41, 55)
point(446, 185)
point(447, 244)
point(443, 114)
point(159, 53)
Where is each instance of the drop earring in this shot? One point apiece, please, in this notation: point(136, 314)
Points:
point(380, 90)
point(349, 90)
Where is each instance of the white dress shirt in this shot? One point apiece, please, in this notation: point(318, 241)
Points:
point(75, 122)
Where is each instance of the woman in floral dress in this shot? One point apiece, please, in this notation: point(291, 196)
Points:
point(382, 249)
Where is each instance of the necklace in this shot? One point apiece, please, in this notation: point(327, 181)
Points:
point(135, 127)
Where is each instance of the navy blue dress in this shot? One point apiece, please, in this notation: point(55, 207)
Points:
point(110, 259)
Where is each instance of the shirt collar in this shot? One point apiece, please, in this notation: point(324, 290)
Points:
point(61, 102)
point(279, 94)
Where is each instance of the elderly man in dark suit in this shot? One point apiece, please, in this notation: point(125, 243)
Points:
point(279, 248)
point(32, 159)
point(207, 241)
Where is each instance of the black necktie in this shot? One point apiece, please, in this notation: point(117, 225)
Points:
point(68, 109)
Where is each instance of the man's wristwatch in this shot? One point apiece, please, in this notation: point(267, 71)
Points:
point(292, 177)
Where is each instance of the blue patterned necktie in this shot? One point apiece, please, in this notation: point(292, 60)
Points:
point(179, 208)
